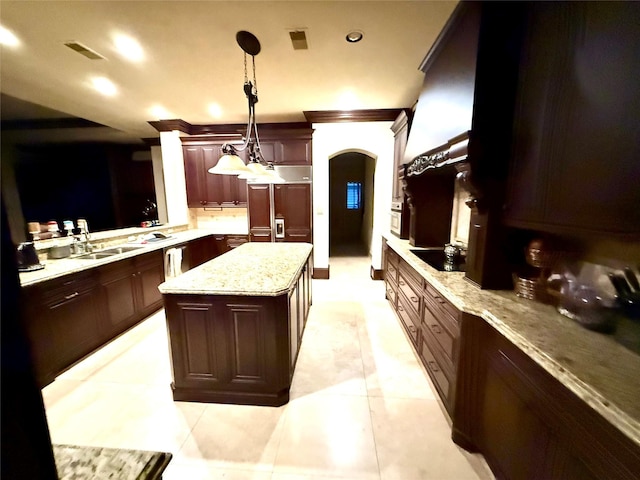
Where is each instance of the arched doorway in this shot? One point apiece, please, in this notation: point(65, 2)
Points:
point(351, 193)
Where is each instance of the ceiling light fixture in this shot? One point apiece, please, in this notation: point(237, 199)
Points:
point(128, 47)
point(104, 86)
point(354, 36)
point(230, 163)
point(8, 38)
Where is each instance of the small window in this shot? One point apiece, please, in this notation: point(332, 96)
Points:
point(354, 195)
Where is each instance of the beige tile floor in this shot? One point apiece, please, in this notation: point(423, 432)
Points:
point(361, 404)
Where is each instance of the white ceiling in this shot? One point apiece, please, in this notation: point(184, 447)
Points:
point(192, 58)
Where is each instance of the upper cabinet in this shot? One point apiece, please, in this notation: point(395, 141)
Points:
point(400, 129)
point(282, 145)
point(205, 189)
point(575, 164)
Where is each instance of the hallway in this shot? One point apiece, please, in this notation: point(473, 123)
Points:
point(361, 405)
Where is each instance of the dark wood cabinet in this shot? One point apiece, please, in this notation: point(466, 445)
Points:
point(205, 189)
point(259, 211)
point(63, 320)
point(574, 165)
point(286, 146)
point(526, 423)
point(130, 290)
point(430, 321)
point(292, 204)
point(288, 205)
point(400, 130)
point(202, 250)
point(237, 349)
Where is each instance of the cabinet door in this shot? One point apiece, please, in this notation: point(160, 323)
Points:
point(201, 250)
point(292, 202)
point(119, 290)
point(295, 152)
point(74, 324)
point(193, 168)
point(259, 210)
point(149, 274)
point(574, 162)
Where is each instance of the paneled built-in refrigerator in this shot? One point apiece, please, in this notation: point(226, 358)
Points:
point(281, 212)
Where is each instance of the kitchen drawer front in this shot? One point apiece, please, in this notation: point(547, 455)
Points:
point(410, 291)
point(68, 287)
point(442, 378)
point(448, 314)
point(392, 257)
point(409, 318)
point(391, 294)
point(409, 273)
point(392, 273)
point(432, 327)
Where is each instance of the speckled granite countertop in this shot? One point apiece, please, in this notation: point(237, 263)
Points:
point(96, 463)
point(594, 366)
point(252, 269)
point(57, 268)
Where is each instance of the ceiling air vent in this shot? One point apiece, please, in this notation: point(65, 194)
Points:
point(299, 40)
point(82, 50)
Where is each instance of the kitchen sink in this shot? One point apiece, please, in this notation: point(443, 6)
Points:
point(110, 252)
point(95, 256)
point(118, 250)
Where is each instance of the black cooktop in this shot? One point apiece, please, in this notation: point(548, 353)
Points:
point(438, 260)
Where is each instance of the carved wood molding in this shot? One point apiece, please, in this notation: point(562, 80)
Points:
point(453, 154)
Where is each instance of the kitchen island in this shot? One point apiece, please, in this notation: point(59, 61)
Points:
point(235, 324)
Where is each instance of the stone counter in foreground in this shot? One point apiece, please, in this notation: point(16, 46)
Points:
point(235, 324)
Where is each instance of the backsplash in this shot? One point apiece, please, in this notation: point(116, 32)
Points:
point(222, 220)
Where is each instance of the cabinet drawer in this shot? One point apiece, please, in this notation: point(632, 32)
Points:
point(410, 291)
point(432, 327)
point(449, 313)
point(392, 257)
point(392, 273)
point(391, 293)
point(409, 273)
point(409, 318)
point(441, 378)
point(68, 287)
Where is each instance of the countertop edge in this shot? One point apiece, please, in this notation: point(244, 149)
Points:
point(564, 373)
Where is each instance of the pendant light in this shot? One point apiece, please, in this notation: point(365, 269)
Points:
point(230, 163)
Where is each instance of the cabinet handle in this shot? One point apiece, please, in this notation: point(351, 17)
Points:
point(439, 299)
point(402, 284)
point(413, 299)
point(433, 366)
point(71, 295)
point(412, 329)
point(436, 329)
point(400, 308)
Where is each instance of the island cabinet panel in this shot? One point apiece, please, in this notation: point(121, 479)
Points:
point(525, 422)
point(230, 349)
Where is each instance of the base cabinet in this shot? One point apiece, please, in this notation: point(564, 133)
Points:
point(525, 422)
point(429, 320)
point(63, 320)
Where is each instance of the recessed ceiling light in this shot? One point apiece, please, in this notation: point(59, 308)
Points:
point(128, 47)
point(7, 38)
point(104, 86)
point(354, 36)
point(161, 113)
point(215, 110)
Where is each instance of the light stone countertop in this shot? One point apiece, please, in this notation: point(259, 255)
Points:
point(97, 463)
point(57, 268)
point(600, 371)
point(252, 269)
